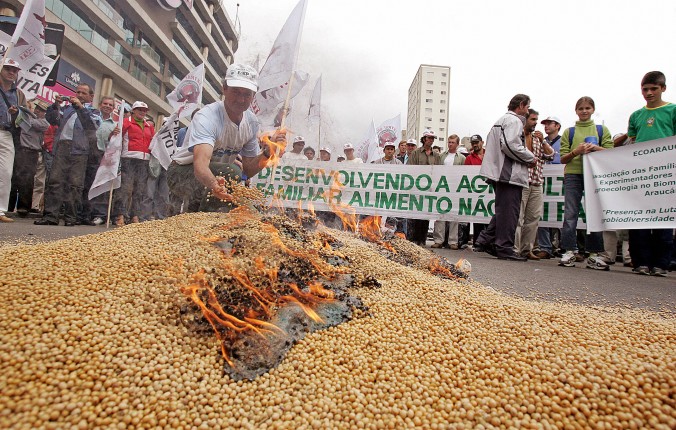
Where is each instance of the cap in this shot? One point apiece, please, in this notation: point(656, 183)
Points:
point(551, 118)
point(41, 105)
point(242, 76)
point(11, 63)
point(412, 142)
point(475, 138)
point(429, 132)
point(348, 146)
point(325, 149)
point(392, 144)
point(463, 150)
point(138, 105)
point(299, 139)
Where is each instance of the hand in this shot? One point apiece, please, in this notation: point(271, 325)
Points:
point(219, 191)
point(12, 110)
point(539, 135)
point(77, 104)
point(57, 99)
point(115, 132)
point(584, 148)
point(238, 161)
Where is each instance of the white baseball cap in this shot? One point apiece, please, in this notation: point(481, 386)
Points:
point(412, 142)
point(139, 104)
point(551, 118)
point(348, 146)
point(392, 144)
point(11, 63)
point(325, 149)
point(242, 76)
point(429, 132)
point(299, 139)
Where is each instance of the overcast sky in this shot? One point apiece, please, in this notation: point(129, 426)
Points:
point(368, 52)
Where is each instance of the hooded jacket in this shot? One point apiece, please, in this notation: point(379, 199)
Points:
point(506, 158)
point(136, 140)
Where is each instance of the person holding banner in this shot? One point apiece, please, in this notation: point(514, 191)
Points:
point(650, 248)
point(296, 153)
point(220, 145)
point(586, 137)
point(309, 153)
point(446, 232)
point(104, 133)
point(417, 228)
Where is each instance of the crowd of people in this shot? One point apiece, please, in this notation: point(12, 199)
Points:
point(49, 155)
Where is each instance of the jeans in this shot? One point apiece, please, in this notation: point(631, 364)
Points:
point(133, 188)
point(651, 248)
point(573, 185)
point(545, 240)
point(64, 183)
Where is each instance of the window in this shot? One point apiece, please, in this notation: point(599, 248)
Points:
point(428, 100)
point(430, 82)
point(443, 83)
point(443, 101)
point(443, 75)
point(428, 119)
point(442, 120)
point(441, 130)
point(430, 75)
point(443, 93)
point(428, 110)
point(429, 91)
point(442, 110)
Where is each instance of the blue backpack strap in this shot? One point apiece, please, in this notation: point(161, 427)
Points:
point(571, 133)
point(599, 131)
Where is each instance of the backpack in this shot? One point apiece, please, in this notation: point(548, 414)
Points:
point(571, 133)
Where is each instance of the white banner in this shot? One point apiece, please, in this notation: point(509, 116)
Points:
point(163, 144)
point(266, 101)
point(632, 186)
point(361, 149)
point(108, 173)
point(388, 131)
point(416, 192)
point(314, 111)
point(187, 95)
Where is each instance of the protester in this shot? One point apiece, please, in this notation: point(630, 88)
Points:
point(12, 99)
point(417, 228)
point(309, 153)
point(402, 154)
point(475, 158)
point(505, 165)
point(446, 232)
point(137, 133)
point(531, 197)
point(33, 126)
point(388, 157)
point(296, 153)
point(584, 134)
point(221, 144)
point(108, 128)
point(75, 136)
point(650, 248)
point(180, 135)
point(325, 154)
point(340, 159)
point(553, 138)
point(348, 149)
point(411, 146)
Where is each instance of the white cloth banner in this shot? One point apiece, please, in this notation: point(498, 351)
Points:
point(267, 100)
point(388, 131)
point(361, 149)
point(163, 144)
point(108, 173)
point(187, 95)
point(632, 186)
point(416, 192)
point(314, 111)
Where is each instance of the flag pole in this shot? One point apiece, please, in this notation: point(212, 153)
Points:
point(110, 203)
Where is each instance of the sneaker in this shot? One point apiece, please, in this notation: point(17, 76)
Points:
point(453, 246)
point(658, 272)
point(568, 259)
point(642, 270)
point(5, 218)
point(98, 221)
point(436, 245)
point(596, 262)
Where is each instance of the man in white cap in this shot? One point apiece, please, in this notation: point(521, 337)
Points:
point(348, 149)
point(446, 232)
point(324, 153)
point(388, 158)
point(553, 138)
point(411, 146)
point(221, 143)
point(12, 98)
point(417, 228)
point(297, 152)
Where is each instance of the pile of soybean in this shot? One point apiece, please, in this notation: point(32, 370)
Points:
point(91, 337)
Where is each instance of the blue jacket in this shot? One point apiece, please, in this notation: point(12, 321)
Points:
point(84, 130)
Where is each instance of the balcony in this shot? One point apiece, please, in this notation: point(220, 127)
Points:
point(148, 56)
point(101, 14)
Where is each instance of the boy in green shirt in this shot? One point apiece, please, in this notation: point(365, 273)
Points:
point(650, 249)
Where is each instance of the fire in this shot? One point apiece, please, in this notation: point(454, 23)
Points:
point(437, 269)
point(400, 235)
point(276, 145)
point(346, 213)
point(370, 230)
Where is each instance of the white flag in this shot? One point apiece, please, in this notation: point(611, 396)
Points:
point(267, 100)
point(362, 147)
point(29, 50)
point(314, 112)
point(388, 131)
point(163, 144)
point(108, 172)
point(187, 95)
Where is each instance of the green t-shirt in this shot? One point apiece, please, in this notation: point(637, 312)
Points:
point(582, 130)
point(650, 124)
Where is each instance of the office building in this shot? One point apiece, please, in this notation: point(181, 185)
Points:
point(428, 101)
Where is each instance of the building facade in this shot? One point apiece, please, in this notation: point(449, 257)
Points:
point(139, 49)
point(428, 101)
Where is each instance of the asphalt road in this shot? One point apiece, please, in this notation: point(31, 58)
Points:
point(536, 280)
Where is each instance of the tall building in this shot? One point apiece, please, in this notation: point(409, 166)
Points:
point(139, 49)
point(428, 100)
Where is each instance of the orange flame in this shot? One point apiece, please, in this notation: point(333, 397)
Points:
point(370, 230)
point(346, 213)
point(437, 269)
point(400, 235)
point(275, 147)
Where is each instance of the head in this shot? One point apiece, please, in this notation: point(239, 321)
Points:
point(348, 150)
point(552, 125)
point(139, 110)
point(298, 144)
point(40, 110)
point(584, 108)
point(477, 143)
point(10, 71)
point(85, 93)
point(239, 87)
point(519, 104)
point(309, 153)
point(340, 159)
point(653, 85)
point(107, 105)
point(325, 154)
point(411, 145)
point(428, 139)
point(402, 147)
point(531, 121)
point(389, 150)
point(453, 143)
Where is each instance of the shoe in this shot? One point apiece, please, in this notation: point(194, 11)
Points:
point(596, 262)
point(512, 257)
point(436, 245)
point(135, 220)
point(642, 270)
point(69, 224)
point(119, 221)
point(532, 256)
point(453, 246)
point(44, 221)
point(628, 264)
point(97, 221)
point(543, 255)
point(5, 218)
point(658, 272)
point(568, 259)
point(579, 258)
point(22, 213)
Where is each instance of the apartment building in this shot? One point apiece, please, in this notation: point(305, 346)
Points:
point(139, 49)
point(428, 101)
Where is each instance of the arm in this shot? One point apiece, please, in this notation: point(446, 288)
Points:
point(201, 159)
point(53, 115)
point(252, 165)
point(511, 144)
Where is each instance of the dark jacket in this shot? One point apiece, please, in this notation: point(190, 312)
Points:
point(84, 130)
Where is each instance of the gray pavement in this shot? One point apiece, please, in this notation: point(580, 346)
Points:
point(541, 280)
